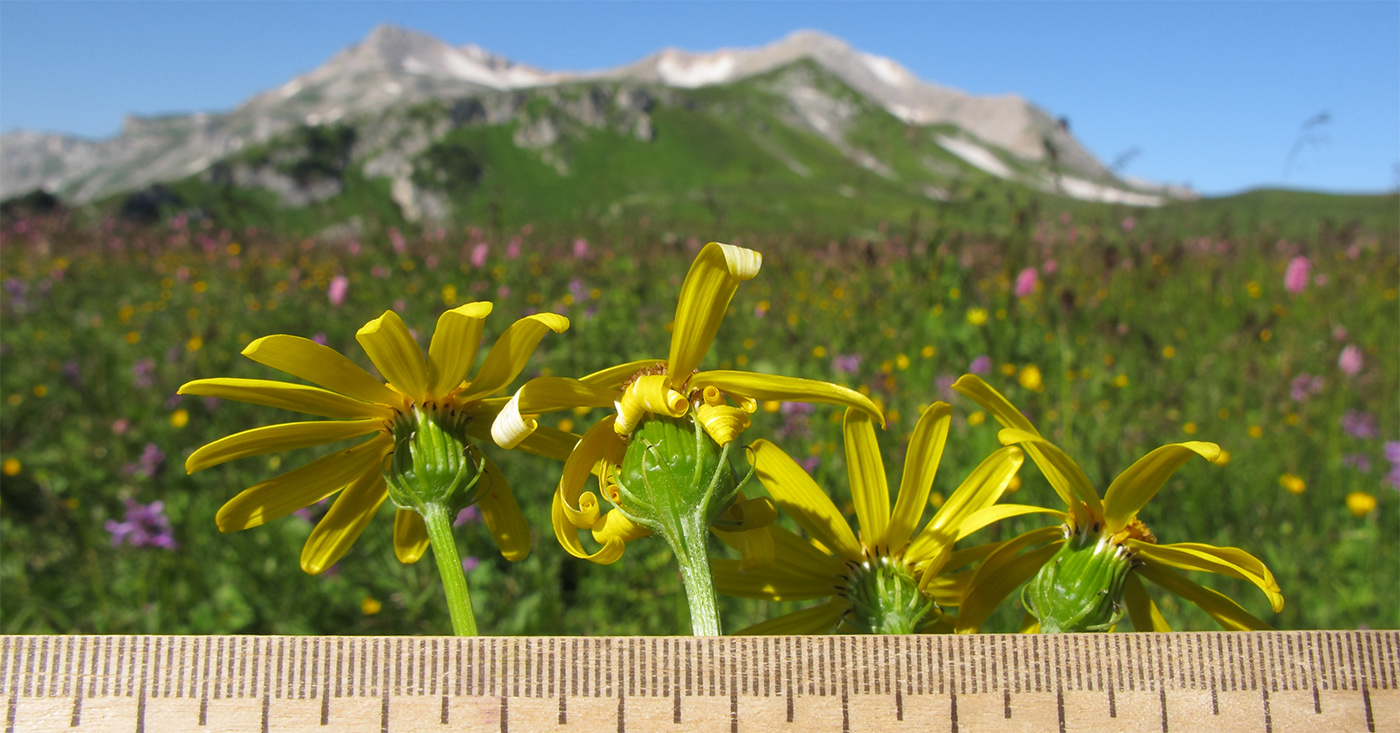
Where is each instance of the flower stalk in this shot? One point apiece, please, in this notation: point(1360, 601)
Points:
point(449, 564)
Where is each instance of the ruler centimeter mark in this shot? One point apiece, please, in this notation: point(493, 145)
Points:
point(1330, 668)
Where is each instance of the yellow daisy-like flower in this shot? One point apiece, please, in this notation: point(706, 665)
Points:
point(885, 580)
point(1103, 545)
point(417, 389)
point(720, 402)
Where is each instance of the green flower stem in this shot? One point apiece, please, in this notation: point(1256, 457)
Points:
point(449, 563)
point(689, 539)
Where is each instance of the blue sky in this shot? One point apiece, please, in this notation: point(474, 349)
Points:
point(1215, 95)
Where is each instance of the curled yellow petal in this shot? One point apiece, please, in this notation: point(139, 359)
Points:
point(722, 423)
point(709, 286)
point(295, 397)
point(647, 395)
point(1063, 474)
point(511, 353)
point(453, 349)
point(516, 420)
point(410, 536)
point(616, 527)
point(322, 365)
point(567, 534)
point(785, 389)
point(277, 438)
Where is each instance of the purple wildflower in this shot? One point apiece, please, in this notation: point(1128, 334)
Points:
point(1360, 425)
point(145, 525)
point(469, 563)
point(846, 364)
point(810, 463)
point(1358, 461)
point(1306, 385)
point(143, 373)
point(470, 514)
point(981, 365)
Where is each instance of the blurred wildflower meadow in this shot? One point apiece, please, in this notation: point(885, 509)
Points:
point(1116, 330)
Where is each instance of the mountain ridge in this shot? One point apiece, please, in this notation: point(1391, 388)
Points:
point(396, 67)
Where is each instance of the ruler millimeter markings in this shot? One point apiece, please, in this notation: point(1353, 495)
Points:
point(1259, 681)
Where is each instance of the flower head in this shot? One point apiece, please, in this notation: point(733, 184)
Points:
point(1104, 545)
point(422, 397)
point(663, 397)
point(886, 579)
point(1350, 361)
point(145, 525)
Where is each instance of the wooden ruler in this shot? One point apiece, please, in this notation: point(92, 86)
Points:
point(1236, 682)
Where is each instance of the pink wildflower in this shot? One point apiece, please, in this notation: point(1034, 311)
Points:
point(479, 253)
point(1026, 282)
point(336, 292)
point(1295, 279)
point(1350, 362)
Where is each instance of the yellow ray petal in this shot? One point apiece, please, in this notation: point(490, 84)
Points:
point(410, 536)
point(294, 397)
point(794, 555)
point(512, 352)
point(277, 438)
point(502, 515)
point(1136, 486)
point(799, 496)
point(284, 494)
point(1226, 612)
point(1001, 573)
point(979, 490)
point(921, 461)
point(815, 620)
point(395, 354)
point(1064, 475)
point(567, 534)
point(768, 582)
point(755, 546)
point(304, 358)
point(342, 525)
point(993, 402)
point(1141, 609)
point(1230, 561)
point(705, 295)
point(614, 377)
point(787, 389)
point(453, 349)
point(866, 473)
point(992, 514)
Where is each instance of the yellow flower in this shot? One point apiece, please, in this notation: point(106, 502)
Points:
point(718, 401)
point(359, 405)
point(1361, 503)
point(1223, 459)
point(1110, 525)
point(886, 579)
point(180, 418)
point(977, 316)
point(11, 467)
point(1031, 379)
point(370, 606)
point(1292, 483)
